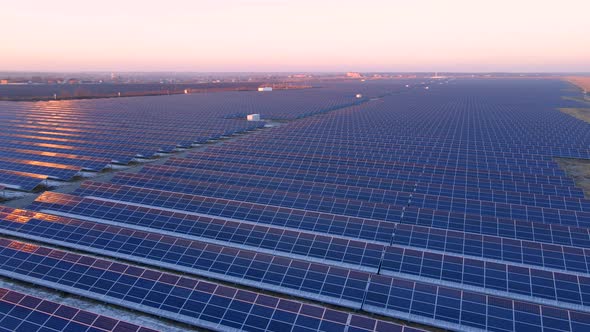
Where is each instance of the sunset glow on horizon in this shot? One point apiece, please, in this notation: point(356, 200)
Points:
point(304, 35)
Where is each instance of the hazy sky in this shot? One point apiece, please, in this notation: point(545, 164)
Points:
point(295, 35)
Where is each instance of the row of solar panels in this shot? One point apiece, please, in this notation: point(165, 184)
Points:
point(551, 262)
point(279, 150)
point(26, 313)
point(183, 299)
point(328, 284)
point(348, 190)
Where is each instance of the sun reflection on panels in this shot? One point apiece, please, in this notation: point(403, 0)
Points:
point(18, 216)
point(24, 216)
point(22, 246)
point(46, 164)
point(43, 138)
point(55, 146)
point(52, 198)
point(31, 175)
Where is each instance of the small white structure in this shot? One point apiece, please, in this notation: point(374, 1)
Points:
point(253, 117)
point(359, 96)
point(264, 89)
point(427, 88)
point(186, 91)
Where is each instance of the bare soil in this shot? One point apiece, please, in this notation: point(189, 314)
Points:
point(583, 82)
point(579, 170)
point(578, 113)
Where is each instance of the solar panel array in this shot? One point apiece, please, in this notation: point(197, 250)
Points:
point(443, 207)
point(58, 140)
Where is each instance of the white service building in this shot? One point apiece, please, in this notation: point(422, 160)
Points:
point(253, 117)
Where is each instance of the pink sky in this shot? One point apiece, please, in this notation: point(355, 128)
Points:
point(295, 35)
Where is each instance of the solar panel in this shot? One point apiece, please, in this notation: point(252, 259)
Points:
point(192, 301)
point(522, 230)
point(441, 176)
point(432, 304)
point(350, 227)
point(56, 171)
point(551, 256)
point(20, 180)
point(331, 284)
point(490, 277)
point(265, 193)
point(276, 149)
point(21, 312)
point(296, 200)
point(262, 183)
point(337, 284)
point(320, 174)
point(310, 245)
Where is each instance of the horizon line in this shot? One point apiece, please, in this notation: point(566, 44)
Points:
point(296, 71)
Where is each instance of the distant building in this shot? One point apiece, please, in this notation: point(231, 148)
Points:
point(353, 75)
point(253, 117)
point(264, 88)
point(4, 81)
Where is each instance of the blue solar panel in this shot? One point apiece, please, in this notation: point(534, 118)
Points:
point(431, 303)
point(523, 230)
point(56, 171)
point(331, 284)
point(262, 192)
point(335, 284)
point(552, 256)
point(511, 281)
point(265, 214)
point(192, 301)
point(276, 240)
point(320, 174)
point(21, 312)
point(20, 180)
point(452, 176)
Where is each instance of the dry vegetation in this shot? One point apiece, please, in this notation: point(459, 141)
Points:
point(578, 113)
point(583, 82)
point(579, 170)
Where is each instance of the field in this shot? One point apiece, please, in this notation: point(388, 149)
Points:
point(583, 82)
point(579, 169)
point(578, 113)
